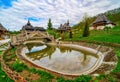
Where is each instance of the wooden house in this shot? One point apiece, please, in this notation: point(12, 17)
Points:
point(65, 27)
point(3, 32)
point(101, 22)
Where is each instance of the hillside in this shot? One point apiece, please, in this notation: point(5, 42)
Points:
point(112, 35)
point(113, 15)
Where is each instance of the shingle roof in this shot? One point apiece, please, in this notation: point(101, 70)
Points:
point(101, 18)
point(28, 26)
point(64, 27)
point(2, 27)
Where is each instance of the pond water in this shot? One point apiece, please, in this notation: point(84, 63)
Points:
point(60, 59)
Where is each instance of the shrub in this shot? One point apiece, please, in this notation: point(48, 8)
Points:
point(83, 78)
point(101, 76)
point(60, 79)
point(19, 66)
point(33, 70)
point(111, 78)
point(44, 74)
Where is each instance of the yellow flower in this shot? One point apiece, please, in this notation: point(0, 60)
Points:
point(3, 76)
point(20, 62)
point(16, 59)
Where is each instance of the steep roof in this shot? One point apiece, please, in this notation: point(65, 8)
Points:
point(64, 27)
point(39, 28)
point(2, 27)
point(28, 26)
point(101, 18)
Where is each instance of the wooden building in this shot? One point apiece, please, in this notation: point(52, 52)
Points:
point(101, 22)
point(65, 27)
point(29, 32)
point(28, 27)
point(3, 32)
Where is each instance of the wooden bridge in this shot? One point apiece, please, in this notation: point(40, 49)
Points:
point(29, 36)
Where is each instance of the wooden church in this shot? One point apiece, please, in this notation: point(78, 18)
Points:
point(65, 27)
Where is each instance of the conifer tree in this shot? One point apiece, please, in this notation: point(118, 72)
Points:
point(86, 27)
point(49, 24)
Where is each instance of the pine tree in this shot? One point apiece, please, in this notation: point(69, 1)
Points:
point(86, 28)
point(49, 24)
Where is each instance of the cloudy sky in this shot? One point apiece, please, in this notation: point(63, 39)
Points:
point(15, 13)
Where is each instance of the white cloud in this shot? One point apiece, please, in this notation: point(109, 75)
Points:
point(59, 11)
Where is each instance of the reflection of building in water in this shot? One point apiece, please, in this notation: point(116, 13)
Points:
point(47, 51)
point(64, 49)
point(86, 60)
point(31, 45)
point(51, 57)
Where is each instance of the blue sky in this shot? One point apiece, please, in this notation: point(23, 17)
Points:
point(15, 13)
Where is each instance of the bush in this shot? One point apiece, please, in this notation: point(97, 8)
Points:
point(83, 78)
point(45, 74)
point(111, 78)
point(19, 66)
point(101, 76)
point(60, 79)
point(33, 70)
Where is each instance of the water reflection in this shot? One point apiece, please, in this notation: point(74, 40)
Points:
point(60, 59)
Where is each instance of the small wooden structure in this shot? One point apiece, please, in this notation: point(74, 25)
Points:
point(3, 32)
point(65, 27)
point(101, 22)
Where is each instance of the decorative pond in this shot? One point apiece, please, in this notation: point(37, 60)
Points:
point(59, 59)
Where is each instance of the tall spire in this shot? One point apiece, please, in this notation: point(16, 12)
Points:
point(68, 21)
point(28, 23)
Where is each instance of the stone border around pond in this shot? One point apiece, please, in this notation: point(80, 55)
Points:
point(78, 47)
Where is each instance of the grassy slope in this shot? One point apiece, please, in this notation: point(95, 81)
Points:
point(113, 36)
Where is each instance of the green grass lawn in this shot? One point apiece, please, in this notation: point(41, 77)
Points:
point(112, 35)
